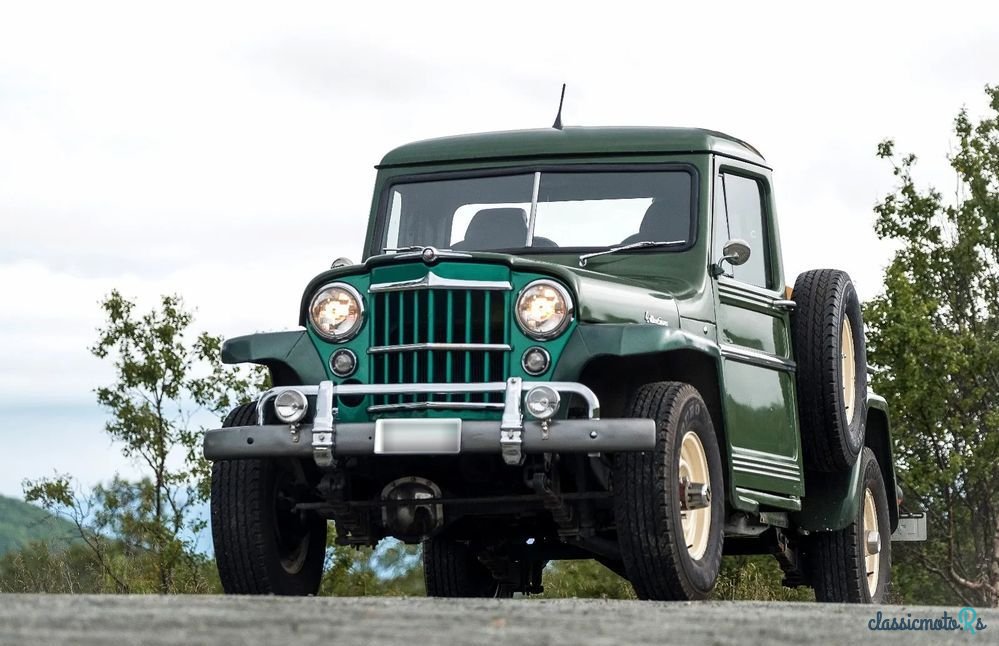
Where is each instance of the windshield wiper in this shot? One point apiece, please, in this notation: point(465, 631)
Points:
point(643, 244)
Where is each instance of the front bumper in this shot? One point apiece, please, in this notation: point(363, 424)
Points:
point(511, 436)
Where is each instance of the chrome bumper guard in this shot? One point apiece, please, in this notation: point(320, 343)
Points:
point(512, 437)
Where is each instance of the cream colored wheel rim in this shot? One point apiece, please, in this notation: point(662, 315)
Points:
point(696, 523)
point(872, 558)
point(849, 370)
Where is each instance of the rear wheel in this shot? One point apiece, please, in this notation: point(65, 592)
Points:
point(669, 502)
point(451, 569)
point(262, 545)
point(853, 565)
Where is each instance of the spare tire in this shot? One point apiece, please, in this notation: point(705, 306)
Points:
point(828, 329)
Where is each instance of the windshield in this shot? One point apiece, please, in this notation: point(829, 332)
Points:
point(542, 211)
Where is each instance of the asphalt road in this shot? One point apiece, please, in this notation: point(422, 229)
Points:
point(188, 620)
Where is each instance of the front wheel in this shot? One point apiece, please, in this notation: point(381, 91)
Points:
point(262, 544)
point(853, 564)
point(669, 503)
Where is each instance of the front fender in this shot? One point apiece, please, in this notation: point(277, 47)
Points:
point(290, 356)
point(626, 339)
point(831, 499)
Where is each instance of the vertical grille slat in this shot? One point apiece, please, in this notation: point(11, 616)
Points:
point(439, 316)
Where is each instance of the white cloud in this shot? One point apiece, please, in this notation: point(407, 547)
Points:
point(225, 150)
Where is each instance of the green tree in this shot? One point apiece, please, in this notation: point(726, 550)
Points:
point(163, 378)
point(935, 334)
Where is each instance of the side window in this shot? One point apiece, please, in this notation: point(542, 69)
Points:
point(746, 220)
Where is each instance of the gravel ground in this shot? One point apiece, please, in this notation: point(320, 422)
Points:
point(188, 620)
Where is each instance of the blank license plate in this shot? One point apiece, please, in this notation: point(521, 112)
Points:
point(415, 436)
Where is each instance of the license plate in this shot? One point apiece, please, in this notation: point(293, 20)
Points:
point(417, 436)
point(911, 527)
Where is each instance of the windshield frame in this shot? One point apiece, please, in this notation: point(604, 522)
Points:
point(381, 225)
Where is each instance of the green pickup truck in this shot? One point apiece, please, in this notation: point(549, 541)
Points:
point(564, 344)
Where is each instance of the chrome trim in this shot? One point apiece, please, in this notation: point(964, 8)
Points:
point(411, 347)
point(339, 338)
point(417, 252)
point(533, 216)
point(548, 360)
point(323, 426)
point(757, 466)
point(569, 310)
point(433, 281)
point(757, 358)
point(769, 475)
point(785, 304)
point(592, 402)
point(434, 405)
point(333, 357)
point(763, 456)
point(512, 423)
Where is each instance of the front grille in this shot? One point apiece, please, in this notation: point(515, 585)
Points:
point(439, 336)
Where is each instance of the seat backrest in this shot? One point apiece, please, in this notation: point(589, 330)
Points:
point(663, 222)
point(501, 228)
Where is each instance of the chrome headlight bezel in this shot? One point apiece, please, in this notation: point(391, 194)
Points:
point(358, 323)
point(563, 324)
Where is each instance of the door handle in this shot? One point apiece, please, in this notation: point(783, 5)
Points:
point(785, 304)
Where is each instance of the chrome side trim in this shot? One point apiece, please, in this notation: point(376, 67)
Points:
point(411, 347)
point(433, 281)
point(763, 456)
point(769, 474)
point(435, 405)
point(757, 358)
point(791, 471)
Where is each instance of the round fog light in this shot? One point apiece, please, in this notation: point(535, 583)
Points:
point(542, 402)
point(535, 361)
point(343, 363)
point(290, 406)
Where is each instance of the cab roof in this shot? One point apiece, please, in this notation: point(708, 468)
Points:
point(570, 141)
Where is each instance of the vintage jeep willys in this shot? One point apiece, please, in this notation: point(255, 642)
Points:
point(564, 344)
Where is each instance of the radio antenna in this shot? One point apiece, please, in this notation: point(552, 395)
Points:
point(558, 117)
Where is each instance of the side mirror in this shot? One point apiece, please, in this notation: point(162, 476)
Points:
point(341, 262)
point(735, 252)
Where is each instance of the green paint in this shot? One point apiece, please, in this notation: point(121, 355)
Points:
point(630, 305)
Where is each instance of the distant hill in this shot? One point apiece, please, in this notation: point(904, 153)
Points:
point(21, 523)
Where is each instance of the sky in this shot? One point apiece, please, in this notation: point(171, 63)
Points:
point(225, 151)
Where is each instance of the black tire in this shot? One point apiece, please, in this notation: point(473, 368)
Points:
point(647, 498)
point(261, 546)
point(831, 438)
point(450, 569)
point(837, 560)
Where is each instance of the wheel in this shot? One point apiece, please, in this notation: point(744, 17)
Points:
point(671, 549)
point(450, 569)
point(853, 565)
point(828, 331)
point(262, 546)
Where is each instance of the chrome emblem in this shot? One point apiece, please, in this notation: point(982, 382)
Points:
point(656, 320)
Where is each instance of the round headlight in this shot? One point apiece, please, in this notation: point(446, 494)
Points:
point(544, 309)
point(290, 406)
point(337, 312)
point(542, 402)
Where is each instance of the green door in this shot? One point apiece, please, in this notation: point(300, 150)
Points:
point(754, 335)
